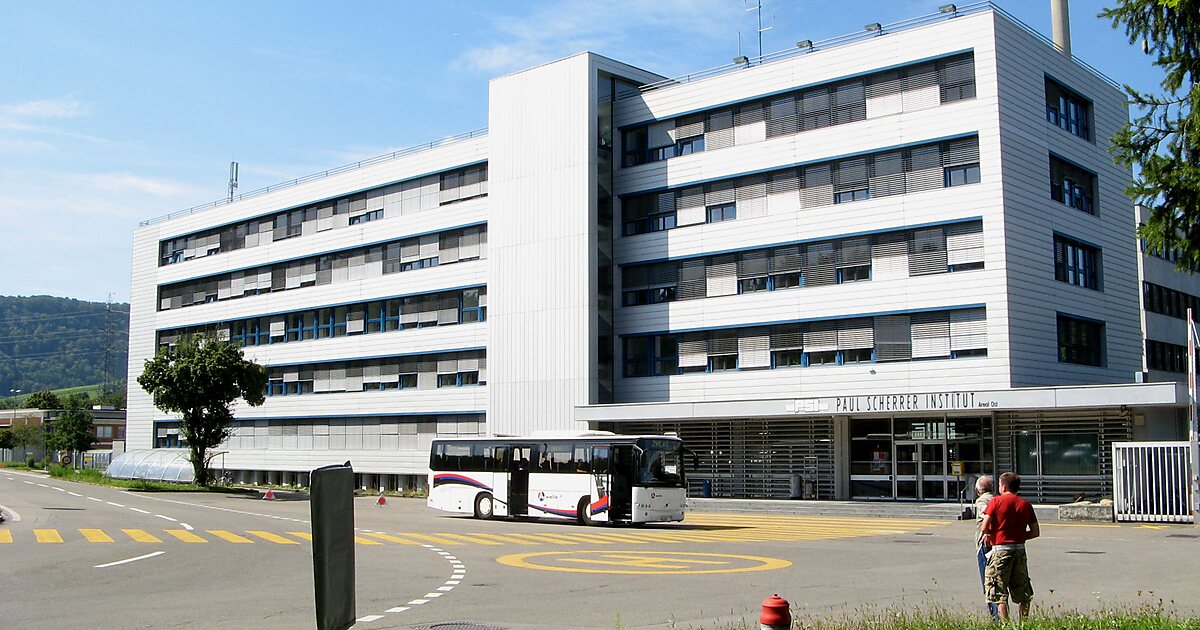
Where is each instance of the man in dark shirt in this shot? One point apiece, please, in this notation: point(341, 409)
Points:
point(1008, 522)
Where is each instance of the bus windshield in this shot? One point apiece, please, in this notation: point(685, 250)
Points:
point(661, 463)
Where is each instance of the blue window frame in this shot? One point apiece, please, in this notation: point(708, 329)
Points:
point(962, 175)
point(722, 212)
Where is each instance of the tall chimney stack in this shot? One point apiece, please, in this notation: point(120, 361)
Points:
point(1060, 20)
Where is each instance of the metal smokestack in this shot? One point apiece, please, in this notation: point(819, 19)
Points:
point(1060, 21)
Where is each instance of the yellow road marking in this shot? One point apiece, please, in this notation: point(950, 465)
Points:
point(470, 539)
point(95, 536)
point(230, 536)
point(141, 536)
point(644, 563)
point(304, 535)
point(392, 539)
point(596, 538)
point(553, 538)
point(363, 541)
point(432, 539)
point(186, 536)
point(47, 535)
point(5, 536)
point(504, 539)
point(269, 537)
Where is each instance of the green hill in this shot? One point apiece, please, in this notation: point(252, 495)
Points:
point(53, 343)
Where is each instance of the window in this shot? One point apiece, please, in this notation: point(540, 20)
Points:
point(1080, 341)
point(1068, 110)
point(104, 432)
point(688, 146)
point(370, 216)
point(722, 212)
point(1053, 453)
point(722, 363)
point(787, 358)
point(1169, 302)
point(1168, 357)
point(1076, 263)
point(961, 175)
point(847, 196)
point(825, 357)
point(1072, 185)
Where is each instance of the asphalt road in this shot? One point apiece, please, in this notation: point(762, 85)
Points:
point(239, 562)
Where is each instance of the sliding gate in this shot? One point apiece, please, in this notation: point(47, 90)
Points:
point(1150, 482)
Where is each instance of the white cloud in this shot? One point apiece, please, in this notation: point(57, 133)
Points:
point(128, 182)
point(54, 108)
point(566, 27)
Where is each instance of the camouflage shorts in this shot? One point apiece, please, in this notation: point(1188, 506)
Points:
point(1007, 574)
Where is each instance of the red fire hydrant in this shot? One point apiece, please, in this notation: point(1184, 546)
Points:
point(776, 614)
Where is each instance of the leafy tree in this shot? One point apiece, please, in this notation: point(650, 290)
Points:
point(26, 435)
point(200, 379)
point(76, 400)
point(1163, 139)
point(114, 398)
point(44, 399)
point(6, 439)
point(71, 431)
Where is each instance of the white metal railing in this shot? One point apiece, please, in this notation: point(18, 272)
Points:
point(840, 40)
point(323, 174)
point(1150, 482)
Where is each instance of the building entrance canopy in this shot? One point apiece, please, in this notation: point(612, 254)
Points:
point(1043, 398)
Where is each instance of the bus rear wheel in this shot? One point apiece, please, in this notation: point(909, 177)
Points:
point(483, 505)
point(585, 511)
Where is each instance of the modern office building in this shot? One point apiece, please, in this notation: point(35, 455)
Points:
point(832, 271)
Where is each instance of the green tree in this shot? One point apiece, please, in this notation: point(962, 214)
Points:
point(200, 379)
point(44, 399)
point(1163, 139)
point(76, 400)
point(6, 439)
point(71, 431)
point(27, 435)
point(114, 398)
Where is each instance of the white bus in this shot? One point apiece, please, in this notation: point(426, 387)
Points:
point(593, 477)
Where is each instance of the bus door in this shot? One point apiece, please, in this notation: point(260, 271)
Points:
point(601, 482)
point(622, 473)
point(518, 481)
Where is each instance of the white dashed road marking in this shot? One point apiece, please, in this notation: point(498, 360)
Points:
point(139, 511)
point(128, 560)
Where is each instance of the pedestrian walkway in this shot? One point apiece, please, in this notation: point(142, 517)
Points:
point(699, 528)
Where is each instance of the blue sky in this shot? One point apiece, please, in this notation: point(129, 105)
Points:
point(116, 112)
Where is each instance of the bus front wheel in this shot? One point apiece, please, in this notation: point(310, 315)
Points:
point(483, 505)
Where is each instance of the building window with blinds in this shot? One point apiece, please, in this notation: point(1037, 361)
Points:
point(1168, 357)
point(1072, 185)
point(414, 195)
point(941, 335)
point(426, 371)
point(943, 249)
point(787, 191)
point(1076, 263)
point(912, 88)
point(1080, 341)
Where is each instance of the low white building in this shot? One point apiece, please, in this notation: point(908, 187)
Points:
point(833, 271)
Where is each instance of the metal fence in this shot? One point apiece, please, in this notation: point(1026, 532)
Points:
point(1150, 482)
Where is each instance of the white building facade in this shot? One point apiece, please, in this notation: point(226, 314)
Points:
point(833, 272)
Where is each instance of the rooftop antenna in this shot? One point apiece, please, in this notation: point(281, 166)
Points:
point(233, 176)
point(758, 9)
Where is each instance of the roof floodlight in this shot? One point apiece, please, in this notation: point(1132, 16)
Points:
point(743, 60)
point(948, 8)
point(874, 26)
point(805, 43)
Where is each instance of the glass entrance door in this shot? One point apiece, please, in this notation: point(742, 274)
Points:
point(908, 471)
point(933, 471)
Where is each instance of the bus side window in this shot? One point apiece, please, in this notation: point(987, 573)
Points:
point(458, 457)
point(481, 455)
point(582, 458)
point(438, 460)
point(600, 460)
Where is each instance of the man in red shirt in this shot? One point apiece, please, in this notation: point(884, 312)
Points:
point(1008, 522)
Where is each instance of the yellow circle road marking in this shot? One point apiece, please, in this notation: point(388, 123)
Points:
point(642, 562)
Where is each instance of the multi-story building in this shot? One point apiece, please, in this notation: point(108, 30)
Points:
point(833, 271)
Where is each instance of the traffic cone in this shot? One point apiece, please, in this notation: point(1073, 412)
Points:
point(381, 501)
point(270, 495)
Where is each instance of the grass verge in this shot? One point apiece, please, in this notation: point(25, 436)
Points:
point(98, 478)
point(1145, 617)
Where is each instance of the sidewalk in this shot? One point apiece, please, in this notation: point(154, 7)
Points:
point(876, 509)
